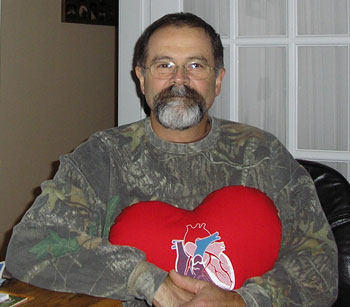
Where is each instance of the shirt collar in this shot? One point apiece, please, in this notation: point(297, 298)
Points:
point(184, 148)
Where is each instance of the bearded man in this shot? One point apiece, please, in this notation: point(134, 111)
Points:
point(179, 154)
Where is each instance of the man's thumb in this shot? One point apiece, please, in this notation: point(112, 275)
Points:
point(187, 283)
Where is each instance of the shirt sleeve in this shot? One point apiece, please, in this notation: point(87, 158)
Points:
point(62, 244)
point(306, 272)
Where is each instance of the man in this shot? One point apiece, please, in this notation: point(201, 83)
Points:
point(178, 155)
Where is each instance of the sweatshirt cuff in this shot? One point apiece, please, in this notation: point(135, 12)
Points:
point(145, 280)
point(252, 294)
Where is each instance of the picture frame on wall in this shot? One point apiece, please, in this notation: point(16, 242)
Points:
point(95, 12)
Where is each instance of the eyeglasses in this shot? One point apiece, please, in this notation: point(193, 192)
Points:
point(167, 69)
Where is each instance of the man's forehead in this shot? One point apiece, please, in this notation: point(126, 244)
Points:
point(177, 37)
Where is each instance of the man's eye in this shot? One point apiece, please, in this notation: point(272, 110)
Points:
point(164, 66)
point(195, 66)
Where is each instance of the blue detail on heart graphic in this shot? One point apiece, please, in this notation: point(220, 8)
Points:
point(201, 255)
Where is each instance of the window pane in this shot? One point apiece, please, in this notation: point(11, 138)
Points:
point(262, 17)
point(320, 17)
point(323, 105)
point(221, 106)
point(216, 13)
point(263, 88)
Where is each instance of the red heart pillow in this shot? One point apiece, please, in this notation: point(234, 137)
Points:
point(234, 234)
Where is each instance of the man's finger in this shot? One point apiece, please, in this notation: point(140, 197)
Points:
point(187, 283)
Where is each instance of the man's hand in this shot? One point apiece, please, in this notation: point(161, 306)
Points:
point(170, 295)
point(205, 293)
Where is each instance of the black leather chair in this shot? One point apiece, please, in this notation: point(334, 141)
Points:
point(334, 193)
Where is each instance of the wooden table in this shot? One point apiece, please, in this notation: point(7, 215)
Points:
point(44, 297)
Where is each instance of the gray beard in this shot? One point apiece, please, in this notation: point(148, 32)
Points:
point(176, 115)
point(179, 112)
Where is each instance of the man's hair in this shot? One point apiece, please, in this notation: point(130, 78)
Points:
point(178, 20)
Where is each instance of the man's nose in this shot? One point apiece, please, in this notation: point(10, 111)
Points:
point(180, 75)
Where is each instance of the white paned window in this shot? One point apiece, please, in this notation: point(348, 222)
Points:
point(216, 13)
point(323, 92)
point(322, 17)
point(221, 108)
point(262, 17)
point(262, 88)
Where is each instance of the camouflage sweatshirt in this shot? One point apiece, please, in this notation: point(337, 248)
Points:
point(61, 243)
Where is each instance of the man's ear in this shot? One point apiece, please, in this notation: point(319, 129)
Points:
point(140, 75)
point(218, 82)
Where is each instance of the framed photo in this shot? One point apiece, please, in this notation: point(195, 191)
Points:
point(97, 12)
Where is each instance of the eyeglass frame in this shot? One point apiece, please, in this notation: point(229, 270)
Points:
point(184, 67)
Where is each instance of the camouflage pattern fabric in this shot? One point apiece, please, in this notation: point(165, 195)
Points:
point(62, 241)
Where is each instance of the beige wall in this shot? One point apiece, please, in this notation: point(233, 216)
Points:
point(56, 88)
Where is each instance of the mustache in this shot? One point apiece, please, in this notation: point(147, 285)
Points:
point(182, 91)
point(179, 107)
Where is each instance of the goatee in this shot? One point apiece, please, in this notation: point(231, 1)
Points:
point(179, 107)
